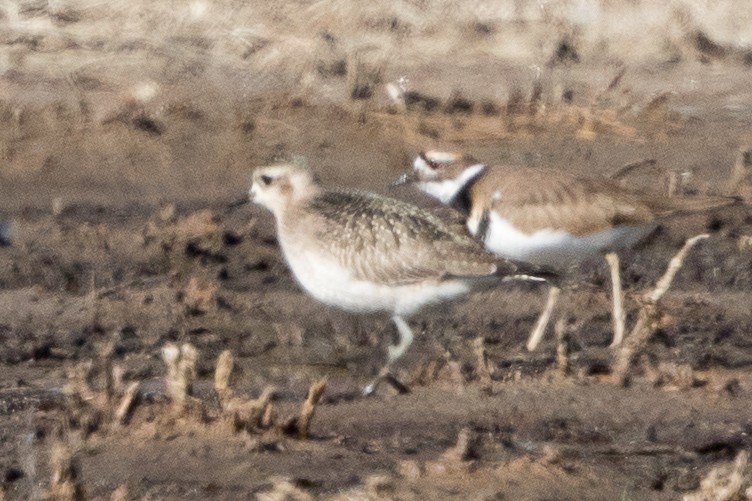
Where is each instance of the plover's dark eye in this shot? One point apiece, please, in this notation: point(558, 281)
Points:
point(266, 180)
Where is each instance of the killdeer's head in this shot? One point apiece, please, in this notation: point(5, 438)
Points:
point(279, 186)
point(442, 174)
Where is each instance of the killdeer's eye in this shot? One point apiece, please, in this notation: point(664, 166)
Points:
point(431, 163)
point(266, 180)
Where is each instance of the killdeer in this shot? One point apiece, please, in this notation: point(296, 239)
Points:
point(365, 253)
point(548, 217)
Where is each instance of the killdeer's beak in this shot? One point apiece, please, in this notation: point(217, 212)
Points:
point(407, 177)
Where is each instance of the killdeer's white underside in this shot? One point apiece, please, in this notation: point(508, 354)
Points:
point(549, 247)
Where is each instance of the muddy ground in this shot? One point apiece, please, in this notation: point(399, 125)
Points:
point(121, 235)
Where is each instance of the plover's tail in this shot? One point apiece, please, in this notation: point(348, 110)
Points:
point(528, 272)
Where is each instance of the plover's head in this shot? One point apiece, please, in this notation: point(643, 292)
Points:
point(442, 174)
point(278, 186)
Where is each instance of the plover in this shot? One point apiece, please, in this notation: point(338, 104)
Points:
point(365, 253)
point(548, 217)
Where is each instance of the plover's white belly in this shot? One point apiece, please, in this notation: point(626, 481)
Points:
point(555, 247)
point(331, 283)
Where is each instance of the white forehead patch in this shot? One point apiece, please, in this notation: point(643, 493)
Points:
point(441, 157)
point(275, 170)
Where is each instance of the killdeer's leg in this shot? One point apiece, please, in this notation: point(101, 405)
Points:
point(395, 353)
point(618, 313)
point(543, 319)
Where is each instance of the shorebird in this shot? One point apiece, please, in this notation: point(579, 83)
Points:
point(365, 253)
point(548, 217)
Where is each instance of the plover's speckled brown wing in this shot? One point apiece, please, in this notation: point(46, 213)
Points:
point(392, 242)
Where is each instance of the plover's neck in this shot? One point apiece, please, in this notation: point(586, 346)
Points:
point(292, 212)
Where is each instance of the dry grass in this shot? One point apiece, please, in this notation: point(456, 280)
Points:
point(140, 75)
point(90, 409)
point(98, 45)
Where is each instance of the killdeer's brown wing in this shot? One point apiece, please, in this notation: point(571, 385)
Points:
point(534, 200)
point(391, 242)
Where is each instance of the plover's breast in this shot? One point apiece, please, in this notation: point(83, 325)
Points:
point(554, 247)
point(327, 280)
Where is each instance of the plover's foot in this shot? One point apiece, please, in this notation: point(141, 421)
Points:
point(385, 376)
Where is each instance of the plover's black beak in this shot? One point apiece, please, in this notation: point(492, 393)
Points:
point(407, 177)
point(240, 201)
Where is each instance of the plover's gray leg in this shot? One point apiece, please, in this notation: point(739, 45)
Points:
point(395, 353)
point(543, 319)
point(618, 314)
point(405, 340)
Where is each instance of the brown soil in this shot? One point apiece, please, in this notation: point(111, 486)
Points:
point(122, 229)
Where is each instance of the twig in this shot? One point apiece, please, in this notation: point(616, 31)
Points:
point(612, 259)
point(543, 319)
point(457, 459)
point(181, 372)
point(742, 168)
point(250, 415)
point(673, 267)
point(123, 412)
point(65, 484)
point(627, 169)
point(562, 346)
point(647, 320)
point(222, 374)
point(463, 449)
point(484, 371)
point(309, 407)
point(725, 482)
point(107, 368)
point(673, 183)
point(616, 80)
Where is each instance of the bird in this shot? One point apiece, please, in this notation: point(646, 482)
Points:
point(548, 217)
point(365, 253)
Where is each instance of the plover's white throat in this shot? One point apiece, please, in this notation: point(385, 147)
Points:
point(547, 217)
point(366, 253)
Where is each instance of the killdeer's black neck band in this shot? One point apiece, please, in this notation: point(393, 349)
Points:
point(462, 201)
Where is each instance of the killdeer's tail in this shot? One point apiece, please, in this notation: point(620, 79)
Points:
point(668, 207)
